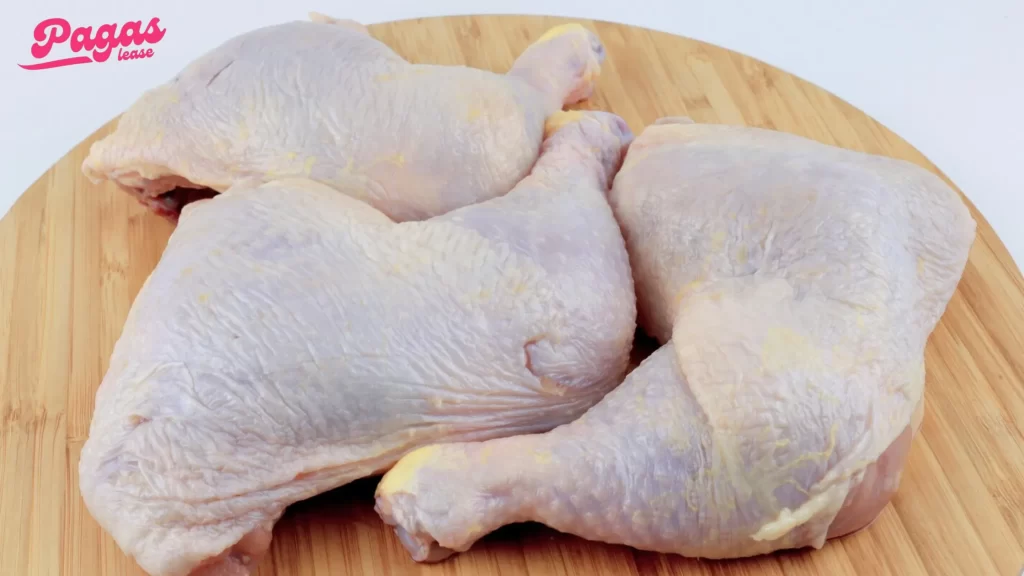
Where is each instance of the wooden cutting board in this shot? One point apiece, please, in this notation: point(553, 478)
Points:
point(73, 256)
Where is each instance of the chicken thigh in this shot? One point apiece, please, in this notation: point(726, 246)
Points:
point(324, 100)
point(292, 339)
point(793, 286)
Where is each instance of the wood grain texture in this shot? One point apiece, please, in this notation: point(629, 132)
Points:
point(73, 256)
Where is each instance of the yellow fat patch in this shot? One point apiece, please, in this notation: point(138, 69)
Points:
point(788, 519)
point(822, 456)
point(560, 30)
point(398, 478)
point(560, 119)
point(687, 289)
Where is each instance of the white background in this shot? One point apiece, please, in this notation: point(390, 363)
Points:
point(944, 74)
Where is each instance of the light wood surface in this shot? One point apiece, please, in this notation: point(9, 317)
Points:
point(73, 256)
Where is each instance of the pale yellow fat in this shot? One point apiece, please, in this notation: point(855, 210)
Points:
point(558, 120)
point(399, 477)
point(559, 30)
point(788, 519)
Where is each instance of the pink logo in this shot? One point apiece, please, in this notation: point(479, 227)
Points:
point(98, 45)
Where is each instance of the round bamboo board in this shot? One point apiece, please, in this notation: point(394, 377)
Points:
point(74, 255)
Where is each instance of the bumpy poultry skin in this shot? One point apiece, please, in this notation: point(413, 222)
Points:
point(292, 339)
point(793, 286)
point(325, 100)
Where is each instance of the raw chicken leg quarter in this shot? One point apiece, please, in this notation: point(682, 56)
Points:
point(793, 287)
point(326, 101)
point(292, 339)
